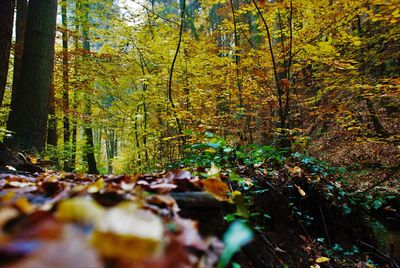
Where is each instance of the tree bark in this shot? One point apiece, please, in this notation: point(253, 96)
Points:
point(378, 127)
point(91, 160)
point(282, 119)
point(28, 117)
point(65, 71)
point(52, 121)
point(22, 14)
point(65, 79)
point(74, 121)
point(171, 73)
point(6, 26)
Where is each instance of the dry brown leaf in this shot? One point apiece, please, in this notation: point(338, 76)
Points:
point(217, 188)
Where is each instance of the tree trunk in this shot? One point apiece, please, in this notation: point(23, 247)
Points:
point(378, 127)
point(91, 160)
point(22, 13)
point(111, 147)
point(6, 26)
point(136, 125)
point(65, 79)
point(74, 121)
point(52, 121)
point(28, 118)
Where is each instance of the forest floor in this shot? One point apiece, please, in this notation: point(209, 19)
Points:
point(298, 211)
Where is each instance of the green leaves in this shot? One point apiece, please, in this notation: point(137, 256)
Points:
point(237, 235)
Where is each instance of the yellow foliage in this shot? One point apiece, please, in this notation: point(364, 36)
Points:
point(322, 260)
point(137, 237)
point(81, 210)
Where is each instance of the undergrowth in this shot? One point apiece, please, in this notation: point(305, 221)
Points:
point(310, 185)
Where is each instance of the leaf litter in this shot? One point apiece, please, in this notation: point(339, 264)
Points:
point(59, 219)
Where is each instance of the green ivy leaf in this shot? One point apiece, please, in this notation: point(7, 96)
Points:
point(237, 235)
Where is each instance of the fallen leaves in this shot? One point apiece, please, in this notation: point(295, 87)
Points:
point(126, 227)
point(79, 210)
point(322, 260)
point(84, 220)
point(301, 191)
point(217, 188)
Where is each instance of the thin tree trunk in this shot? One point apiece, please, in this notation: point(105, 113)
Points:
point(111, 145)
point(378, 127)
point(65, 79)
point(52, 121)
point(171, 73)
point(74, 121)
point(139, 157)
point(144, 67)
point(236, 51)
point(91, 160)
point(6, 25)
point(282, 118)
point(146, 150)
point(22, 13)
point(288, 65)
point(28, 119)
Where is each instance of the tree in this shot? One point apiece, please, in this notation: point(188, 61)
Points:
point(250, 71)
point(29, 109)
point(6, 26)
point(89, 150)
point(65, 82)
point(22, 13)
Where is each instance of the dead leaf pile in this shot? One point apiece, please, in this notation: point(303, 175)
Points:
point(78, 220)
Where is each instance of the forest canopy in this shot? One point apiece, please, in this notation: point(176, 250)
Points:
point(131, 84)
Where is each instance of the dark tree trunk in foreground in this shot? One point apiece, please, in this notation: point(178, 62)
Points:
point(22, 13)
point(28, 118)
point(6, 26)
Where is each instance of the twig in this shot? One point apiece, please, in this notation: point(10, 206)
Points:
point(393, 262)
point(267, 241)
point(387, 177)
point(274, 67)
point(170, 99)
point(326, 229)
point(158, 15)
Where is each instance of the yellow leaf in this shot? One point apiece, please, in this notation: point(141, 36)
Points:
point(322, 260)
point(96, 186)
point(129, 233)
point(236, 193)
point(81, 210)
point(213, 172)
point(295, 171)
point(240, 202)
point(301, 191)
point(7, 196)
point(24, 205)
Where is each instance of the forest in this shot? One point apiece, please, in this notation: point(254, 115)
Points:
point(199, 133)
